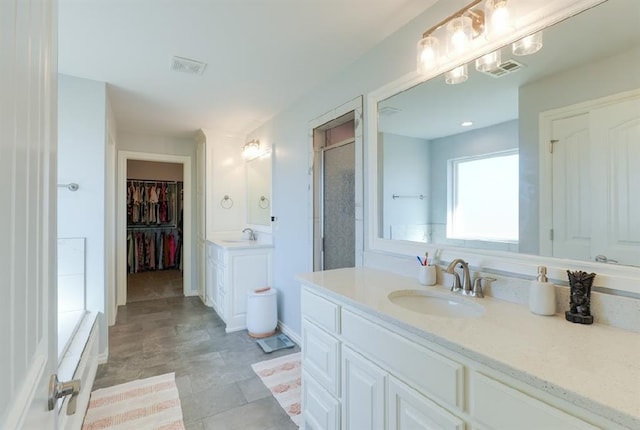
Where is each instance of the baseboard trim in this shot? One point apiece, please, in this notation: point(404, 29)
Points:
point(104, 357)
point(292, 335)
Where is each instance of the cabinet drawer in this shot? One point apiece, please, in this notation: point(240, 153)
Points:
point(320, 410)
point(321, 311)
point(321, 357)
point(429, 372)
point(498, 406)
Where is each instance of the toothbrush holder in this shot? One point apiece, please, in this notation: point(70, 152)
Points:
point(427, 275)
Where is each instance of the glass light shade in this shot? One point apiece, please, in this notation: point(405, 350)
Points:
point(457, 75)
point(459, 35)
point(489, 62)
point(428, 53)
point(528, 45)
point(251, 149)
point(497, 18)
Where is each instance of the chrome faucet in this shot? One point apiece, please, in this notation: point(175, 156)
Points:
point(466, 277)
point(252, 234)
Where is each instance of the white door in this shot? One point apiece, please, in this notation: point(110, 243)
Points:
point(572, 198)
point(596, 184)
point(28, 317)
point(616, 182)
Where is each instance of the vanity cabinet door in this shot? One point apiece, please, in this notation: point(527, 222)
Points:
point(320, 410)
point(211, 284)
point(363, 392)
point(410, 410)
point(321, 357)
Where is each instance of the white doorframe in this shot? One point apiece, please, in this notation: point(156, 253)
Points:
point(545, 163)
point(356, 107)
point(121, 254)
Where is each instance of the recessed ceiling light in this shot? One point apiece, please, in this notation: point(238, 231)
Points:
point(466, 124)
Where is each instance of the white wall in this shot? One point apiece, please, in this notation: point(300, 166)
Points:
point(393, 58)
point(154, 170)
point(608, 76)
point(168, 145)
point(82, 128)
point(406, 173)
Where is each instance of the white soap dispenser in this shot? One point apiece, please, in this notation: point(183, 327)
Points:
point(542, 294)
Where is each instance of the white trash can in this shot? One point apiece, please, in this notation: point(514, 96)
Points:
point(262, 312)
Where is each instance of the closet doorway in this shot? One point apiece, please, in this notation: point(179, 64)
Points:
point(154, 227)
point(154, 230)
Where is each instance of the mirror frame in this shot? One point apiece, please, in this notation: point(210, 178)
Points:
point(269, 149)
point(622, 280)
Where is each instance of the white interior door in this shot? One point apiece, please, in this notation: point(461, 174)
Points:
point(28, 318)
point(572, 198)
point(596, 183)
point(616, 182)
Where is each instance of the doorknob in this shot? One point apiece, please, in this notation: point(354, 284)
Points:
point(603, 259)
point(58, 390)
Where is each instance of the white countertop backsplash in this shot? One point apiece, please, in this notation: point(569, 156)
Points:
point(593, 366)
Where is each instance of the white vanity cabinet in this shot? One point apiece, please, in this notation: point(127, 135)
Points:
point(232, 273)
point(362, 372)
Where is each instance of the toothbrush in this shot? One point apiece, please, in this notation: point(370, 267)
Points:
point(419, 261)
point(426, 258)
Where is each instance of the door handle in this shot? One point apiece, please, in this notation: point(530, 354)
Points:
point(58, 390)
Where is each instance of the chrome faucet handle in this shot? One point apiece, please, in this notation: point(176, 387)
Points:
point(477, 286)
point(457, 286)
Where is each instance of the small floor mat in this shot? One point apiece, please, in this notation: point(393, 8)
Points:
point(151, 403)
point(274, 343)
point(283, 377)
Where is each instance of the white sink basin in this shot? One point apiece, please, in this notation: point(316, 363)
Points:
point(237, 241)
point(434, 304)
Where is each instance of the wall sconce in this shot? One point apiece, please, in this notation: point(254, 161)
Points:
point(251, 149)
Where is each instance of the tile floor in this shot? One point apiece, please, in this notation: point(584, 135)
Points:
point(156, 284)
point(218, 389)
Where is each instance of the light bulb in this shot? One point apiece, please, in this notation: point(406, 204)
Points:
point(489, 62)
point(498, 18)
point(459, 35)
point(428, 53)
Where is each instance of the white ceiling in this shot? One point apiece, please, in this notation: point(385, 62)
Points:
point(262, 55)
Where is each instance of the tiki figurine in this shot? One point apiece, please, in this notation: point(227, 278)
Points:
point(580, 301)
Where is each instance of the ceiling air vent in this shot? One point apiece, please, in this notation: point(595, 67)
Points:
point(186, 65)
point(505, 68)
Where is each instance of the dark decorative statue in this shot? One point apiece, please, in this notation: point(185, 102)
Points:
point(580, 301)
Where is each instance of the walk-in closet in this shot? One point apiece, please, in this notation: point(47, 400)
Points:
point(154, 230)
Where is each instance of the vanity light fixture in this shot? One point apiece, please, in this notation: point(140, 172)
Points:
point(488, 62)
point(251, 149)
point(457, 75)
point(528, 45)
point(461, 27)
point(498, 18)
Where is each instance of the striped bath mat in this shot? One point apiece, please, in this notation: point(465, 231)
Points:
point(151, 403)
point(282, 376)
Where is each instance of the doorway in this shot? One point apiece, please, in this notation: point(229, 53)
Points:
point(154, 226)
point(154, 205)
point(337, 188)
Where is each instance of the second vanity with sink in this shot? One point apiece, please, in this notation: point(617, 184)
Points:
point(235, 266)
point(382, 352)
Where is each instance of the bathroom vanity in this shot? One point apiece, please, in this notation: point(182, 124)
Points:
point(371, 362)
point(235, 266)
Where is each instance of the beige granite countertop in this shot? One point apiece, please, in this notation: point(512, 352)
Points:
point(596, 367)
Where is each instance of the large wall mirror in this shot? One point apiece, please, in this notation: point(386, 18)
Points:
point(541, 157)
point(259, 191)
